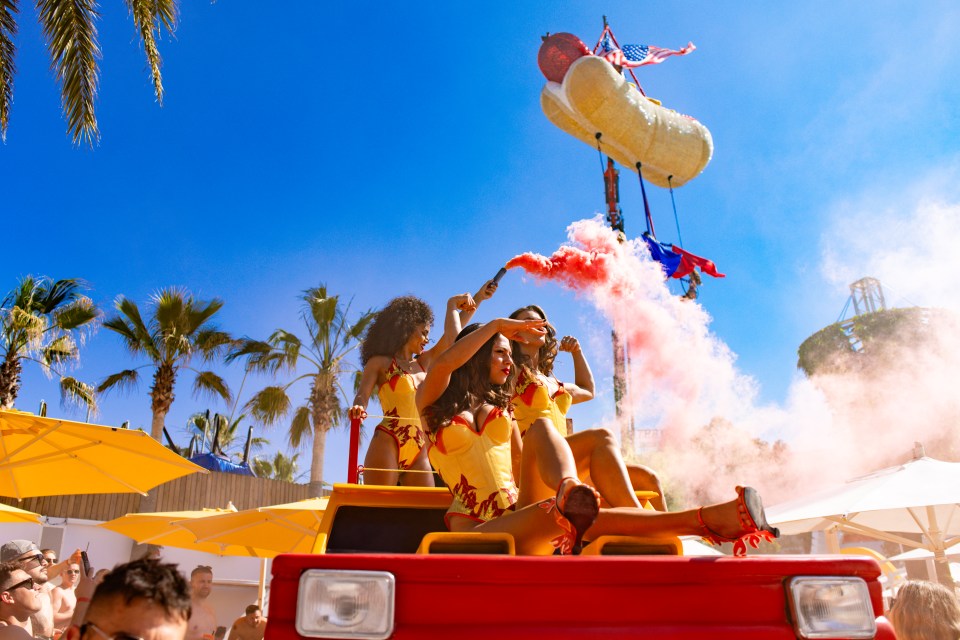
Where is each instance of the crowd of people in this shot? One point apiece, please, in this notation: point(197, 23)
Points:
point(145, 599)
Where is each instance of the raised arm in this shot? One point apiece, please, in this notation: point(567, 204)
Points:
point(486, 291)
point(438, 376)
point(368, 380)
point(583, 387)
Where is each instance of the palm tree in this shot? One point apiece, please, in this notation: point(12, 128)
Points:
point(177, 331)
point(331, 337)
point(223, 431)
point(280, 468)
point(41, 321)
point(70, 30)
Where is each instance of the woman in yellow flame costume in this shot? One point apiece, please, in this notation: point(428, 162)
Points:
point(394, 363)
point(539, 394)
point(465, 400)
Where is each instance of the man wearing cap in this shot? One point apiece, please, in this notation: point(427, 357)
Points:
point(18, 601)
point(28, 557)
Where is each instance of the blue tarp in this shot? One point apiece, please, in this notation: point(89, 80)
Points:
point(216, 463)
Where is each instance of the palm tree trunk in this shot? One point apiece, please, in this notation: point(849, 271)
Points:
point(316, 463)
point(161, 395)
point(9, 380)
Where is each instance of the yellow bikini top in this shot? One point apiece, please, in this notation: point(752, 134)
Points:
point(476, 465)
point(398, 395)
point(532, 400)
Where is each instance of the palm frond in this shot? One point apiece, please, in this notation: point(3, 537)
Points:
point(322, 308)
point(212, 343)
point(78, 313)
point(301, 428)
point(122, 381)
point(289, 347)
point(27, 327)
point(269, 405)
point(210, 384)
point(74, 393)
point(360, 326)
point(54, 294)
point(260, 355)
point(137, 335)
point(199, 312)
point(60, 350)
point(8, 33)
point(169, 310)
point(71, 33)
point(148, 15)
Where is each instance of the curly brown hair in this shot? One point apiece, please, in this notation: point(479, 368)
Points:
point(549, 350)
point(393, 326)
point(470, 386)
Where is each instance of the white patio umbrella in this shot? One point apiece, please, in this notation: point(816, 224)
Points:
point(920, 496)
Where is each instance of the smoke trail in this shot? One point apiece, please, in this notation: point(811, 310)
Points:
point(683, 381)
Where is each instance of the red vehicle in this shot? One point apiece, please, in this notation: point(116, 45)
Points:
point(384, 567)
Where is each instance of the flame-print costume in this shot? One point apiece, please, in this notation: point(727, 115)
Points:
point(532, 400)
point(398, 399)
point(476, 466)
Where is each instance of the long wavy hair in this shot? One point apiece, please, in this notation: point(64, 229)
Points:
point(469, 387)
point(393, 326)
point(548, 352)
point(925, 611)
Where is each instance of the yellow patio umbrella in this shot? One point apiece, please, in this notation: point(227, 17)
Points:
point(10, 514)
point(47, 457)
point(284, 528)
point(167, 529)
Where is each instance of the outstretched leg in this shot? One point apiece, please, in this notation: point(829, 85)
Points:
point(597, 455)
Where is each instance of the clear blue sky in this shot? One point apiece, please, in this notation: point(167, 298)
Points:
point(400, 148)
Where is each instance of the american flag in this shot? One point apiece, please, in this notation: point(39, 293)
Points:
point(637, 55)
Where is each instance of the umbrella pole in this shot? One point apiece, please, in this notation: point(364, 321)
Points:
point(833, 540)
point(262, 587)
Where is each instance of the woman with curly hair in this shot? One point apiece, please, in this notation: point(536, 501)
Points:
point(539, 394)
point(464, 400)
point(394, 363)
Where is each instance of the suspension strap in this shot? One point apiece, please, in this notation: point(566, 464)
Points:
point(676, 218)
point(646, 204)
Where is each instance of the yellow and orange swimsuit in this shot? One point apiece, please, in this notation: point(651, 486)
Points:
point(401, 421)
point(476, 466)
point(532, 400)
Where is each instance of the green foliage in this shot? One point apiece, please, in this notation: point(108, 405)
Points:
point(42, 321)
point(70, 29)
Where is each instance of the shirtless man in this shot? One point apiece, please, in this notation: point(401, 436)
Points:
point(251, 626)
point(140, 599)
point(18, 601)
point(29, 558)
point(203, 620)
point(64, 597)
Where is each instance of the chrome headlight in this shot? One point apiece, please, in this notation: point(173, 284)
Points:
point(345, 604)
point(831, 607)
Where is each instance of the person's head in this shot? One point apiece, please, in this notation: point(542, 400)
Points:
point(925, 611)
point(50, 555)
point(140, 599)
point(70, 575)
point(18, 594)
point(201, 581)
point(405, 321)
point(487, 377)
point(252, 615)
point(28, 556)
point(545, 344)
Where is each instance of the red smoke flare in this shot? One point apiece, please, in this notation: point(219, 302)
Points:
point(575, 267)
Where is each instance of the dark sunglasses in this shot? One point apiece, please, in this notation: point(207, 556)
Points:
point(51, 561)
point(103, 634)
point(39, 559)
point(28, 583)
point(76, 571)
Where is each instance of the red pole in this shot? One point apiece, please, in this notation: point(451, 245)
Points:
point(354, 447)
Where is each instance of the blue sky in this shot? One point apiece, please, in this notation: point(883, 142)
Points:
point(388, 149)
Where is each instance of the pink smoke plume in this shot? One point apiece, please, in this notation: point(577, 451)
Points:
point(682, 383)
